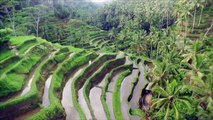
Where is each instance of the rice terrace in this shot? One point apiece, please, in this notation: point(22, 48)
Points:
point(106, 60)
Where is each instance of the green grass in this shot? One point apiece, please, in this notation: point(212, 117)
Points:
point(63, 50)
point(9, 63)
point(20, 39)
point(71, 48)
point(4, 54)
point(116, 102)
point(60, 57)
point(92, 41)
point(26, 45)
point(138, 112)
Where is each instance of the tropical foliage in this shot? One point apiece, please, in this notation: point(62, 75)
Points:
point(174, 38)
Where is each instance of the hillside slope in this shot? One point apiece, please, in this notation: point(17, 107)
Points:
point(41, 80)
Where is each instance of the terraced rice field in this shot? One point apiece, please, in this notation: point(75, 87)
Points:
point(201, 27)
point(40, 80)
point(96, 40)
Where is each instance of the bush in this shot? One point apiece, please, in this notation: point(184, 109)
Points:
point(5, 35)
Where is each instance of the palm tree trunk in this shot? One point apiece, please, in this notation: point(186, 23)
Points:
point(194, 20)
point(167, 21)
point(201, 13)
point(186, 26)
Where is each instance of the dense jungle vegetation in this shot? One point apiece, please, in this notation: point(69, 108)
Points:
point(107, 59)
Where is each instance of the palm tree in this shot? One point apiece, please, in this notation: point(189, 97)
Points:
point(203, 89)
point(201, 82)
point(199, 74)
point(164, 69)
point(169, 98)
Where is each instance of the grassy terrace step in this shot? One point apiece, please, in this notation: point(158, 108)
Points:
point(201, 26)
point(192, 36)
point(82, 45)
point(61, 55)
point(90, 47)
point(195, 31)
point(104, 43)
point(97, 43)
point(4, 54)
point(93, 40)
point(21, 47)
point(116, 95)
point(137, 114)
point(31, 99)
point(95, 49)
point(78, 83)
point(96, 34)
point(97, 76)
point(26, 45)
point(55, 109)
point(100, 36)
point(199, 29)
point(104, 89)
point(19, 71)
point(16, 41)
point(9, 63)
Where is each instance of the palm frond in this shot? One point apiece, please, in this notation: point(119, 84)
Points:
point(159, 102)
point(167, 112)
point(185, 102)
point(176, 112)
point(160, 91)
